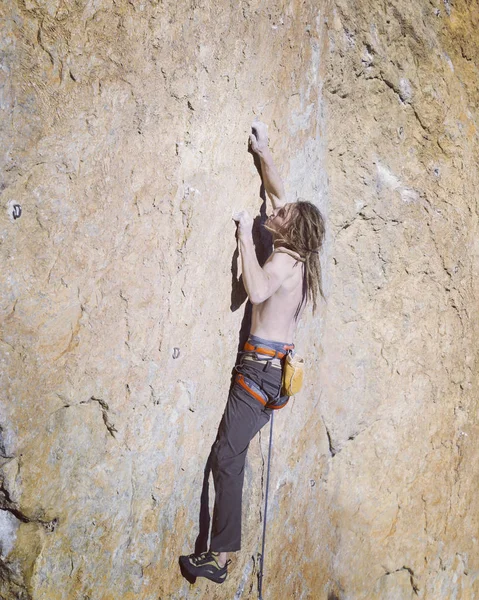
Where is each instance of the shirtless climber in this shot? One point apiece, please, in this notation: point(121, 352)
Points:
point(278, 292)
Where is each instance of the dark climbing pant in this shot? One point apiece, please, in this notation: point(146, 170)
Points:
point(243, 417)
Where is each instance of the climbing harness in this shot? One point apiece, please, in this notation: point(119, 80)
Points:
point(267, 351)
point(270, 359)
point(252, 388)
point(292, 376)
point(261, 570)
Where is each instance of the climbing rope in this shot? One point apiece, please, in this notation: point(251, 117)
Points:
point(261, 570)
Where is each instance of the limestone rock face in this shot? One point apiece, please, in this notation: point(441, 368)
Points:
point(124, 131)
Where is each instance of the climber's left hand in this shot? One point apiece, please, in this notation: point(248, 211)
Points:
point(244, 222)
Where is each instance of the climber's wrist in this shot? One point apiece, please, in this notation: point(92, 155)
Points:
point(264, 153)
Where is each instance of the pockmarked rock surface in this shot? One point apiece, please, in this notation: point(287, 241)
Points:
point(123, 136)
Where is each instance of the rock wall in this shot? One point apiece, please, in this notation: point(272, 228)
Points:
point(399, 372)
point(124, 129)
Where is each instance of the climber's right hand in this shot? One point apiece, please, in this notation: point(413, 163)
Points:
point(258, 139)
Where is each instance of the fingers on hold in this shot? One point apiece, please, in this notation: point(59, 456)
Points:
point(259, 127)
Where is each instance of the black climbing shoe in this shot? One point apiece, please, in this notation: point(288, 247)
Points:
point(205, 565)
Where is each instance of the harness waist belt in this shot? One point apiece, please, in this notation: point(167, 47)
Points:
point(267, 351)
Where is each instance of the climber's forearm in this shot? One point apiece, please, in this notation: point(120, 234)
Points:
point(271, 179)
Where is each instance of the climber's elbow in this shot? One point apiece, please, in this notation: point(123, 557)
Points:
point(256, 298)
point(259, 295)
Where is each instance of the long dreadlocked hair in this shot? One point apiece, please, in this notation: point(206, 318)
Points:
point(304, 235)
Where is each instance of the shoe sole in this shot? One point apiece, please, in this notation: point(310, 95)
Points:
point(194, 572)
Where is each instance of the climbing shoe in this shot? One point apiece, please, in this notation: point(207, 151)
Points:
point(205, 565)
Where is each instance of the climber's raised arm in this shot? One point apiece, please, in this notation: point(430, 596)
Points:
point(273, 185)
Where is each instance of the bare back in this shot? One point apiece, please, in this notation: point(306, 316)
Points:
point(274, 319)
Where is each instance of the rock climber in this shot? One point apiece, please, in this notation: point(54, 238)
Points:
point(279, 292)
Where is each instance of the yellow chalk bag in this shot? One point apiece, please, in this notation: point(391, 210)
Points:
point(293, 374)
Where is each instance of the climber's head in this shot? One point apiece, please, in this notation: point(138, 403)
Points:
point(300, 224)
point(280, 219)
point(300, 227)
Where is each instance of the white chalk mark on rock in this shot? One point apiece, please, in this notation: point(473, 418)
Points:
point(8, 532)
point(389, 180)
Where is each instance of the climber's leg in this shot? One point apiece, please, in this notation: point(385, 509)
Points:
point(244, 416)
